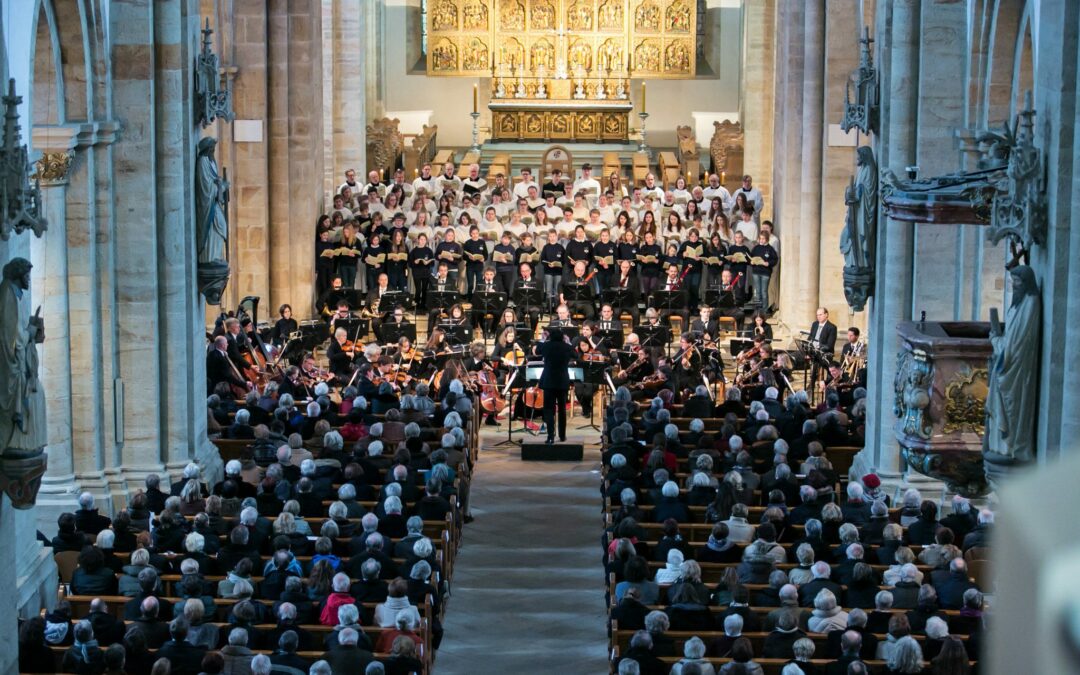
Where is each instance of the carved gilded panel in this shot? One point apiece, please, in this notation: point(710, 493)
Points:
point(580, 15)
point(641, 38)
point(512, 15)
point(542, 14)
point(542, 55)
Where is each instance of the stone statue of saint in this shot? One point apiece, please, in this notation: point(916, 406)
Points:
point(22, 398)
point(211, 205)
point(858, 239)
point(1013, 372)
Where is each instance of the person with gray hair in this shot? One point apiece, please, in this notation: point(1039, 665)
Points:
point(87, 519)
point(320, 667)
point(84, 656)
point(641, 653)
point(906, 657)
point(348, 656)
point(670, 506)
point(693, 653)
point(628, 666)
point(236, 654)
point(827, 615)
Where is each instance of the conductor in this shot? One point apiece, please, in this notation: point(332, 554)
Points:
point(555, 381)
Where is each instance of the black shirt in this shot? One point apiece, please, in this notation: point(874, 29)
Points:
point(475, 247)
point(579, 251)
point(768, 254)
point(651, 269)
point(553, 253)
point(605, 250)
point(419, 269)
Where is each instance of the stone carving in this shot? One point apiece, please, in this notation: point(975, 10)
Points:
point(20, 479)
point(727, 140)
point(542, 55)
point(965, 402)
point(211, 222)
point(580, 56)
point(213, 98)
point(610, 56)
point(1019, 210)
point(861, 112)
point(686, 147)
point(22, 398)
point(912, 388)
point(1013, 374)
point(52, 167)
point(858, 240)
point(20, 201)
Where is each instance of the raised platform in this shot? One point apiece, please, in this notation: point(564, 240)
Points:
point(558, 452)
point(527, 154)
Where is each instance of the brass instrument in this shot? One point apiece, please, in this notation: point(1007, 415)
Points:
point(855, 360)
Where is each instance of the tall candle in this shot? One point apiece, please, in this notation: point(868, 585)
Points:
point(475, 93)
point(642, 97)
point(723, 177)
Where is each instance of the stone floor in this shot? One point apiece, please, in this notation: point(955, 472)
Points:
point(528, 587)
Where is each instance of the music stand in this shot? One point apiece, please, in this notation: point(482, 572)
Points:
point(457, 333)
point(391, 299)
point(569, 331)
point(575, 293)
point(442, 300)
point(354, 326)
point(523, 333)
point(592, 372)
point(671, 301)
point(653, 336)
point(738, 345)
point(519, 376)
point(618, 298)
point(392, 332)
point(720, 299)
point(529, 297)
point(613, 337)
point(489, 303)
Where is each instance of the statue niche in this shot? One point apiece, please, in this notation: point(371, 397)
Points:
point(211, 222)
point(858, 240)
point(1013, 378)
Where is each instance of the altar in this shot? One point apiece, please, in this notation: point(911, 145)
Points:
point(592, 121)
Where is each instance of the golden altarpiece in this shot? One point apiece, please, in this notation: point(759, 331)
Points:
point(560, 69)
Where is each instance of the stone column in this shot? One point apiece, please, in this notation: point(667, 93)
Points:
point(296, 161)
point(756, 96)
point(938, 251)
point(349, 82)
point(898, 34)
point(50, 254)
point(787, 163)
point(812, 135)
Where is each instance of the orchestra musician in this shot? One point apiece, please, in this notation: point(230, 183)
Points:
point(526, 281)
point(328, 300)
point(626, 280)
point(823, 333)
point(442, 283)
point(585, 391)
point(293, 385)
point(481, 319)
point(343, 312)
point(284, 326)
point(639, 367)
point(220, 368)
point(609, 324)
point(340, 356)
point(760, 327)
point(687, 365)
point(705, 326)
point(396, 319)
point(562, 318)
point(672, 282)
point(852, 347)
point(737, 297)
point(580, 283)
point(238, 342)
point(374, 299)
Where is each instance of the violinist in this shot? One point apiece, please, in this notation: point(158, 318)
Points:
point(687, 365)
point(782, 367)
point(404, 354)
point(584, 391)
point(436, 343)
point(340, 355)
point(582, 300)
point(284, 327)
point(751, 352)
point(638, 368)
point(293, 385)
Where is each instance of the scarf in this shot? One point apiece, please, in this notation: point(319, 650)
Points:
point(55, 633)
point(715, 544)
point(84, 648)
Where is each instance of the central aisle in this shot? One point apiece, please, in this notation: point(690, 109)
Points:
point(528, 589)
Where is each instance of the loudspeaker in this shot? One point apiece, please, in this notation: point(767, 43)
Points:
point(559, 452)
